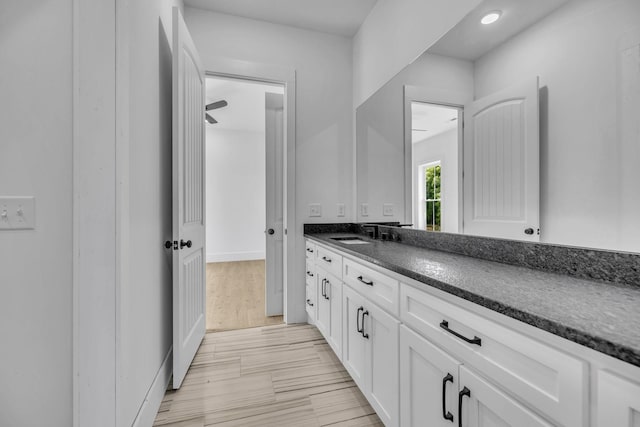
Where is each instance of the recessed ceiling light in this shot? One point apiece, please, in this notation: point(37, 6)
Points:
point(491, 17)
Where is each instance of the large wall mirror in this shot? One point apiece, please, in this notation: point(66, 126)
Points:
point(526, 128)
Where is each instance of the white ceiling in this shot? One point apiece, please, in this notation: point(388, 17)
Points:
point(246, 103)
point(428, 120)
point(470, 39)
point(342, 17)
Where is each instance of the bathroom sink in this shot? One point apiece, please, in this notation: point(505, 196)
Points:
point(350, 240)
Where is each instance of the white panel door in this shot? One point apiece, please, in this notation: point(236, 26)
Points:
point(274, 135)
point(618, 401)
point(502, 164)
point(382, 383)
point(428, 383)
point(354, 345)
point(188, 200)
point(481, 404)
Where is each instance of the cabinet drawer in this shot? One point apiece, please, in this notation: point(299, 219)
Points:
point(310, 249)
point(549, 380)
point(379, 288)
point(311, 302)
point(310, 273)
point(329, 260)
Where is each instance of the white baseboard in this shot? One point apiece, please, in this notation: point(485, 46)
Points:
point(235, 256)
point(149, 409)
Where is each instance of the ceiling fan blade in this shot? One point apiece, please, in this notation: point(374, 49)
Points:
point(216, 105)
point(210, 119)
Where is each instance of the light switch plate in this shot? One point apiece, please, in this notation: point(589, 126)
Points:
point(364, 209)
point(340, 209)
point(387, 209)
point(17, 213)
point(315, 209)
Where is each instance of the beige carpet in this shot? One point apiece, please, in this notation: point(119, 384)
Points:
point(235, 296)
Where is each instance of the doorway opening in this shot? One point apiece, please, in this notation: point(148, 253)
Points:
point(435, 166)
point(244, 203)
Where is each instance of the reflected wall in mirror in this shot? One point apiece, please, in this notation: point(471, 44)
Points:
point(586, 54)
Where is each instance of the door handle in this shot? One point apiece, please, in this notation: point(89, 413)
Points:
point(322, 291)
point(465, 392)
point(475, 340)
point(324, 258)
point(446, 414)
point(310, 274)
point(309, 303)
point(270, 231)
point(364, 281)
point(327, 282)
point(183, 243)
point(358, 319)
point(364, 313)
point(528, 231)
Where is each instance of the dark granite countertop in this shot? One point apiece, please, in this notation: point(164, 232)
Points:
point(599, 315)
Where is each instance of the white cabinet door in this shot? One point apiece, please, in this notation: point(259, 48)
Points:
point(333, 290)
point(324, 307)
point(428, 383)
point(382, 383)
point(481, 404)
point(618, 401)
point(354, 344)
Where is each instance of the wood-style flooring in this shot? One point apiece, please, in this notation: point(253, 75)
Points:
point(284, 375)
point(235, 296)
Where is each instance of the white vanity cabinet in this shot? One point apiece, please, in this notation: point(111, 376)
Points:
point(329, 320)
point(618, 400)
point(370, 353)
point(423, 357)
point(428, 383)
point(437, 390)
point(551, 381)
point(482, 404)
point(311, 293)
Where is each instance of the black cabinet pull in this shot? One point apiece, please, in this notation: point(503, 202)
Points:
point(309, 250)
point(445, 414)
point(364, 281)
point(358, 319)
point(364, 313)
point(326, 295)
point(465, 392)
point(309, 302)
point(475, 340)
point(326, 259)
point(322, 286)
point(310, 274)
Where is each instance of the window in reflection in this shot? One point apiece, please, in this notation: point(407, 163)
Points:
point(431, 218)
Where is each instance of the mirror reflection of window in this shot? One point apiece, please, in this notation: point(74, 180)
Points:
point(435, 173)
point(433, 196)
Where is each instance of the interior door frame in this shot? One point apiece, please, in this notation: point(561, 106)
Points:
point(265, 73)
point(444, 98)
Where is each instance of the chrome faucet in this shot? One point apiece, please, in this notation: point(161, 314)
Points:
point(374, 230)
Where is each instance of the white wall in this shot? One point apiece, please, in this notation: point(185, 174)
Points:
point(322, 63)
point(145, 290)
point(235, 195)
point(36, 265)
point(380, 148)
point(590, 104)
point(394, 34)
point(444, 148)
